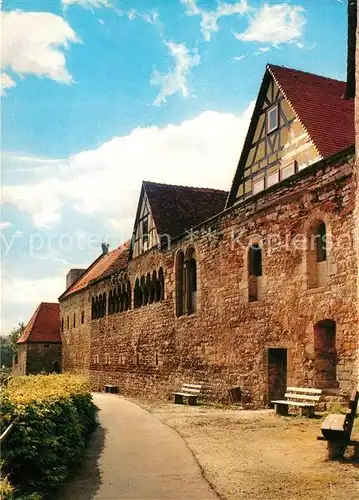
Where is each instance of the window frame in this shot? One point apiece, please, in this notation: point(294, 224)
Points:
point(268, 119)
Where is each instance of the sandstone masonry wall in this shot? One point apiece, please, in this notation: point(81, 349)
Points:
point(149, 351)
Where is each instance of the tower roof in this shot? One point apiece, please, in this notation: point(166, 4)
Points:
point(44, 326)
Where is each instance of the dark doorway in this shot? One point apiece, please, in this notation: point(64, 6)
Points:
point(277, 373)
point(325, 355)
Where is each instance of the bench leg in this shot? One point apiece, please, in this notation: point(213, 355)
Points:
point(280, 409)
point(192, 400)
point(178, 399)
point(306, 411)
point(336, 449)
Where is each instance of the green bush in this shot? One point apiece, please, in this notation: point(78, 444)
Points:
point(54, 417)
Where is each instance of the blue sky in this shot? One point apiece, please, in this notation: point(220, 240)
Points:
point(101, 94)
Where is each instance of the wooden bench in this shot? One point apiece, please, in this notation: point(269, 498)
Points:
point(304, 398)
point(112, 389)
point(188, 391)
point(337, 428)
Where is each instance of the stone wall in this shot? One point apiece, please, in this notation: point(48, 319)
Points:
point(19, 365)
point(43, 358)
point(33, 358)
point(76, 339)
point(356, 176)
point(231, 342)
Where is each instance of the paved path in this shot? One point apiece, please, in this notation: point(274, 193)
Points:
point(133, 455)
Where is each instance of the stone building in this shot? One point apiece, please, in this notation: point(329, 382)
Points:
point(255, 288)
point(39, 347)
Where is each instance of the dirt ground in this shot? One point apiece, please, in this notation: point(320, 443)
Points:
point(252, 455)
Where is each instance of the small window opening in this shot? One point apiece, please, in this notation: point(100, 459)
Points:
point(145, 230)
point(320, 242)
point(254, 271)
point(272, 119)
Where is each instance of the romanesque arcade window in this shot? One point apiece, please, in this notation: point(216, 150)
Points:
point(191, 274)
point(254, 272)
point(186, 283)
point(149, 289)
point(180, 281)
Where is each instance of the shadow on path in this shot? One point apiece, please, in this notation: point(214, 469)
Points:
point(86, 481)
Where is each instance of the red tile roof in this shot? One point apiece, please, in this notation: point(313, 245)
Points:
point(103, 266)
point(176, 209)
point(319, 105)
point(44, 326)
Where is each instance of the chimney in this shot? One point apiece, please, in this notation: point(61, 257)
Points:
point(105, 247)
point(72, 276)
point(352, 27)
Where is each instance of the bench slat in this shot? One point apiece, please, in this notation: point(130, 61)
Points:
point(184, 394)
point(305, 390)
point(194, 393)
point(192, 386)
point(293, 403)
point(301, 396)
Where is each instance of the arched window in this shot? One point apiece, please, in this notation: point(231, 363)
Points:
point(97, 308)
point(137, 294)
point(191, 281)
point(150, 288)
point(124, 297)
point(180, 282)
point(320, 235)
point(156, 287)
point(254, 271)
point(93, 308)
point(144, 291)
point(161, 280)
point(129, 295)
point(116, 301)
point(121, 298)
point(104, 305)
point(110, 303)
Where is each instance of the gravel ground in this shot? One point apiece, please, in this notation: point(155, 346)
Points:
point(256, 455)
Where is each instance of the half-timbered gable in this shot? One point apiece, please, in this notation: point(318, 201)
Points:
point(145, 232)
point(165, 212)
point(294, 124)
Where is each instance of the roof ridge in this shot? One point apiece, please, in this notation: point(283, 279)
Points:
point(184, 186)
point(269, 66)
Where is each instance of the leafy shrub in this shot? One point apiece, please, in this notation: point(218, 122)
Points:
point(54, 417)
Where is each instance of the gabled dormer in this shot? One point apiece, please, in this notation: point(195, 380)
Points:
point(144, 233)
point(166, 212)
point(299, 118)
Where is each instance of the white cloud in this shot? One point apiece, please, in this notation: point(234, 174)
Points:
point(209, 19)
point(88, 4)
point(20, 297)
point(33, 43)
point(203, 151)
point(4, 225)
point(276, 24)
point(239, 58)
point(6, 83)
point(176, 79)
